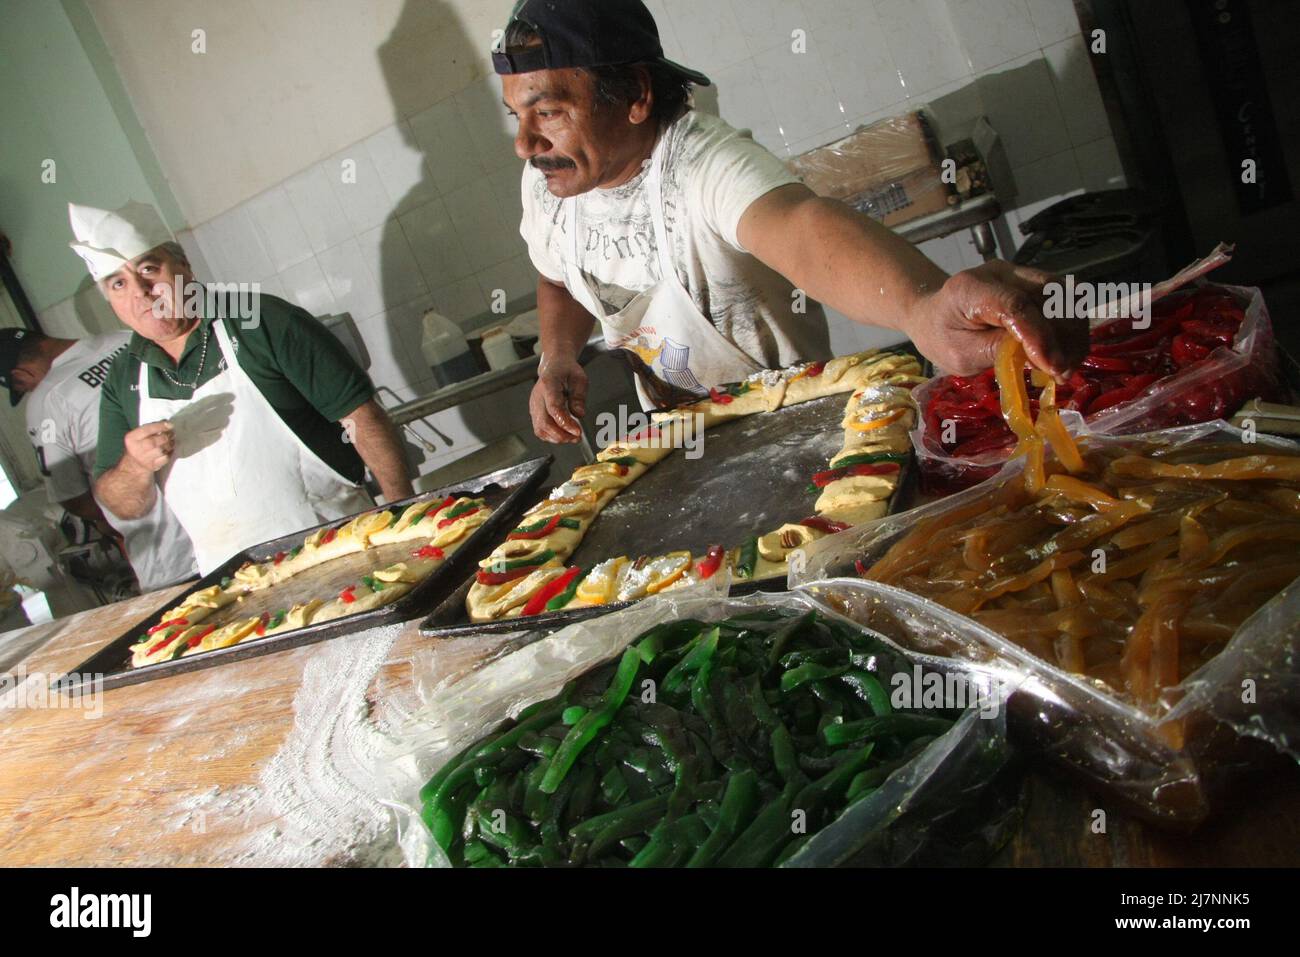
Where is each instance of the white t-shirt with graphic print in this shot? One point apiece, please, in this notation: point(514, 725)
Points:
point(711, 175)
point(63, 413)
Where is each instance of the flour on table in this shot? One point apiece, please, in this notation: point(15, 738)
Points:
point(323, 790)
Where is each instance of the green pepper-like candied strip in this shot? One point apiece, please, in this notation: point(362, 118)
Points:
point(808, 672)
point(738, 804)
point(898, 723)
point(767, 833)
point(582, 733)
point(869, 689)
point(702, 648)
point(440, 813)
point(754, 717)
point(601, 833)
point(784, 634)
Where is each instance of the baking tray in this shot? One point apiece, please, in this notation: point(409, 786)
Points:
point(752, 478)
point(506, 490)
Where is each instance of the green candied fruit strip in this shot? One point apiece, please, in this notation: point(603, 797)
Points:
point(869, 458)
point(464, 507)
point(747, 559)
point(566, 596)
point(570, 523)
point(590, 724)
point(541, 558)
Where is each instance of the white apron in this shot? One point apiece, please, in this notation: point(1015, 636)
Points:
point(156, 546)
point(662, 325)
point(238, 482)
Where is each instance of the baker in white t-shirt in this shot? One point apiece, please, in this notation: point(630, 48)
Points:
point(62, 379)
point(700, 254)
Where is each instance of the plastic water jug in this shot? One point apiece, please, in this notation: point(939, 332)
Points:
point(446, 351)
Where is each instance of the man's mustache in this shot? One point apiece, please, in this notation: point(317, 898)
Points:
point(552, 163)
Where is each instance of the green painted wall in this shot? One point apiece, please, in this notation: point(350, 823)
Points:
point(62, 101)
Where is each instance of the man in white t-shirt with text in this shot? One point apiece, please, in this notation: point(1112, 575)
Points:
point(62, 379)
point(697, 250)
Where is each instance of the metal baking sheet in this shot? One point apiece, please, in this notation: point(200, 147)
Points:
point(506, 490)
point(752, 478)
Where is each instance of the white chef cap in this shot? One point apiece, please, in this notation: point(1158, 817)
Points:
point(108, 239)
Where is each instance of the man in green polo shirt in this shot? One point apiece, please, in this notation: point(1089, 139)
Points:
point(250, 426)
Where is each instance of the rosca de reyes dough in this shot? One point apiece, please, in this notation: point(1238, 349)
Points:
point(435, 528)
point(526, 574)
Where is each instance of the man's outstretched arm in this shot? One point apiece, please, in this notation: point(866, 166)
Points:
point(853, 264)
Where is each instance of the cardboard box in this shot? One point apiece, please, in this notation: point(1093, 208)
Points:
point(889, 170)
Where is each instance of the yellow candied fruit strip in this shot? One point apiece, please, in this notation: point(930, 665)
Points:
point(877, 423)
point(1081, 491)
point(685, 562)
point(598, 589)
point(1247, 467)
point(1008, 369)
point(1050, 426)
point(603, 469)
point(1035, 476)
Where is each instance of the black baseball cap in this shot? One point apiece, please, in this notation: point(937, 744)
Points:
point(588, 33)
point(11, 344)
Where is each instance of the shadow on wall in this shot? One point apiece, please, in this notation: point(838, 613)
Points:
point(400, 57)
point(1043, 161)
point(93, 311)
point(430, 38)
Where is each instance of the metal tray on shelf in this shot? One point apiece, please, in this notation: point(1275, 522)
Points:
point(506, 490)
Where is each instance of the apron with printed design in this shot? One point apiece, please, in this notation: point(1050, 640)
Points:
point(664, 334)
point(242, 477)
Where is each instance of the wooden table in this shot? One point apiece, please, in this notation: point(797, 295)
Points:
point(170, 773)
point(174, 771)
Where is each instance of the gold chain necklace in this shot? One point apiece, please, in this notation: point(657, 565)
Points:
point(203, 358)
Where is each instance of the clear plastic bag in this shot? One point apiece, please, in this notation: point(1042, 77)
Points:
point(951, 804)
point(1208, 389)
point(1247, 370)
point(1250, 691)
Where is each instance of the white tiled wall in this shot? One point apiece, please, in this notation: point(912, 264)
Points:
point(430, 218)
